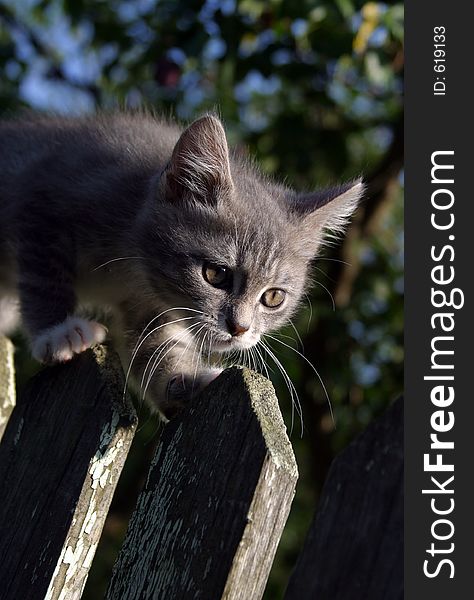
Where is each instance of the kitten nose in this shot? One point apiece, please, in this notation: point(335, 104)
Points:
point(236, 329)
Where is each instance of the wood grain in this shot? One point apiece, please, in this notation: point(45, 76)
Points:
point(354, 548)
point(210, 516)
point(60, 458)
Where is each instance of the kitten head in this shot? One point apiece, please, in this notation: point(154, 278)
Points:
point(223, 240)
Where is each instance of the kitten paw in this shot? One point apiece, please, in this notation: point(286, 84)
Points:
point(182, 388)
point(61, 342)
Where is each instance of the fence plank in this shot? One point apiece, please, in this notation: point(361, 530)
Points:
point(354, 548)
point(60, 458)
point(218, 493)
point(7, 382)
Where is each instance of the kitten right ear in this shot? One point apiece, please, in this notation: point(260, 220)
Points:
point(199, 166)
point(326, 213)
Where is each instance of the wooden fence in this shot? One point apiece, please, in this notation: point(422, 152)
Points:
point(219, 489)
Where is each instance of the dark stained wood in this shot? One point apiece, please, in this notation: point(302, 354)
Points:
point(354, 548)
point(212, 511)
point(60, 458)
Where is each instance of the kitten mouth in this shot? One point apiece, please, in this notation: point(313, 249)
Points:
point(232, 343)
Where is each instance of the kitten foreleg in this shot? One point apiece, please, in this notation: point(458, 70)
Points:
point(47, 270)
point(168, 368)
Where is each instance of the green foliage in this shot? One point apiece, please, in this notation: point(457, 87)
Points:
point(314, 90)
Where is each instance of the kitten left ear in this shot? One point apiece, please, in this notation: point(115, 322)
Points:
point(327, 212)
point(199, 166)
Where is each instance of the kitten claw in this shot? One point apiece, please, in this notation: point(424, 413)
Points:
point(61, 342)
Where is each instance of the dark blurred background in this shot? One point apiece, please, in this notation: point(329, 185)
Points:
point(314, 90)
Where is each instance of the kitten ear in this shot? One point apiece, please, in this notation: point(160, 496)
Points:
point(326, 213)
point(199, 165)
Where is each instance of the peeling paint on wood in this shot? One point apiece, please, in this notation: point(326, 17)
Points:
point(208, 521)
point(7, 382)
point(62, 454)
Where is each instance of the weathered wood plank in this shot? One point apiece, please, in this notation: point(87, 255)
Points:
point(218, 493)
point(60, 458)
point(354, 548)
point(7, 382)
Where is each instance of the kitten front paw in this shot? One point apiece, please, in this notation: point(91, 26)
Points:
point(182, 388)
point(72, 336)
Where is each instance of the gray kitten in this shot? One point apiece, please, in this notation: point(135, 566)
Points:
point(191, 249)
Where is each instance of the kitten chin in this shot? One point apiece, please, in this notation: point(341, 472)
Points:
point(231, 344)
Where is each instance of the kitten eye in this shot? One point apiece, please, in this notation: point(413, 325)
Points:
point(273, 298)
point(216, 275)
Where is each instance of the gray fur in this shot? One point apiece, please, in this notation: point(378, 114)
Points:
point(119, 212)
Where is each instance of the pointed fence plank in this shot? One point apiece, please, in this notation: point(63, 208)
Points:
point(209, 519)
point(60, 458)
point(7, 382)
point(354, 548)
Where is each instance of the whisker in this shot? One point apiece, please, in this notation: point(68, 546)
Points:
point(198, 354)
point(323, 272)
point(178, 360)
point(310, 311)
point(232, 359)
point(159, 359)
point(158, 351)
point(262, 361)
point(312, 367)
point(209, 346)
point(164, 312)
point(297, 334)
point(116, 259)
point(258, 363)
point(331, 296)
point(251, 359)
point(247, 358)
point(335, 260)
point(288, 337)
point(254, 360)
point(140, 340)
point(248, 354)
point(291, 388)
point(140, 343)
